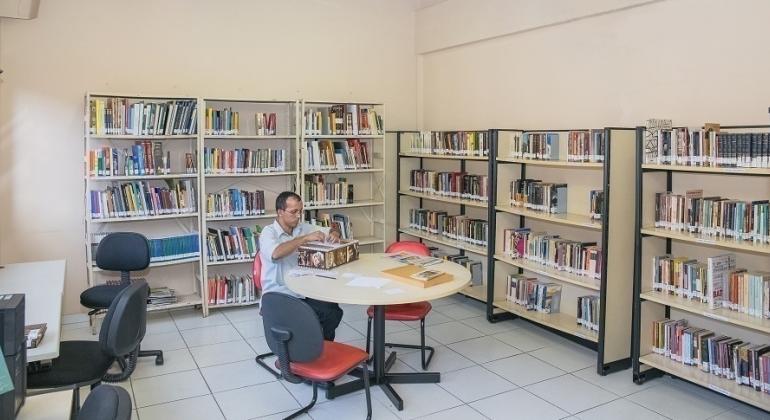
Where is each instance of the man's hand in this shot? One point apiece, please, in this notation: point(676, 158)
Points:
point(334, 236)
point(315, 236)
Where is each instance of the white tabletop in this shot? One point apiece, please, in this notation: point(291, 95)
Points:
point(371, 265)
point(42, 283)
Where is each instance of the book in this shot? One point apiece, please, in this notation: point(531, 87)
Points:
point(34, 334)
point(424, 278)
point(426, 275)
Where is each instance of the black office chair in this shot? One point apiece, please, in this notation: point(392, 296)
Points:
point(124, 252)
point(82, 363)
point(106, 402)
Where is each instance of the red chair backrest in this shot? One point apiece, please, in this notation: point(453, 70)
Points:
point(256, 272)
point(414, 247)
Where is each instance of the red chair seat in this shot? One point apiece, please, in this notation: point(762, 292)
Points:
point(336, 360)
point(404, 312)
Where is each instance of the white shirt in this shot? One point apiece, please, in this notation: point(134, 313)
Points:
point(274, 272)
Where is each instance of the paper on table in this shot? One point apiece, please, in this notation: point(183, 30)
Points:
point(362, 281)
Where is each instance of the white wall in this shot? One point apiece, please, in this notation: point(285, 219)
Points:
point(319, 50)
point(693, 61)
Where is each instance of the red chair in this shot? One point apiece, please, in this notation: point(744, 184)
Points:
point(256, 275)
point(416, 311)
point(293, 332)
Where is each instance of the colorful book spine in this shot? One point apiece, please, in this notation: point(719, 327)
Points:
point(244, 161)
point(141, 198)
point(457, 185)
point(458, 227)
point(232, 289)
point(121, 116)
point(235, 202)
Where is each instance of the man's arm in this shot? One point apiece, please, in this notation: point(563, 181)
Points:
point(285, 249)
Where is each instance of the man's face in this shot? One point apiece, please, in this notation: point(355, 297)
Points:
point(291, 215)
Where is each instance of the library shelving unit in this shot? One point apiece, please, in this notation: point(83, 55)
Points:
point(612, 231)
point(739, 183)
point(264, 128)
point(136, 148)
point(416, 159)
point(328, 131)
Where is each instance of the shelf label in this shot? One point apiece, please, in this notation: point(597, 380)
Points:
point(734, 169)
point(715, 316)
point(719, 390)
point(705, 241)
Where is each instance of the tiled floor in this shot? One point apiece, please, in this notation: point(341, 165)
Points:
point(505, 370)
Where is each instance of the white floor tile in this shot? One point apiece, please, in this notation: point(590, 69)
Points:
point(474, 383)
point(620, 408)
point(518, 403)
point(258, 344)
point(210, 335)
point(255, 401)
point(350, 407)
point(250, 329)
point(569, 357)
point(452, 332)
point(235, 375)
point(433, 318)
point(679, 402)
point(82, 333)
point(191, 318)
point(571, 394)
point(735, 414)
point(463, 412)
point(160, 322)
point(449, 300)
point(444, 360)
point(523, 369)
point(218, 354)
point(281, 416)
point(526, 340)
point(619, 383)
point(345, 333)
point(248, 313)
point(167, 388)
point(353, 313)
point(74, 325)
point(197, 408)
point(752, 412)
point(458, 311)
point(480, 323)
point(484, 349)
point(164, 341)
point(53, 406)
point(390, 326)
point(173, 361)
point(419, 399)
point(410, 336)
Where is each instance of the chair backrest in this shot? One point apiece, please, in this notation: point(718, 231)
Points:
point(414, 247)
point(256, 272)
point(106, 402)
point(124, 252)
point(292, 330)
point(124, 325)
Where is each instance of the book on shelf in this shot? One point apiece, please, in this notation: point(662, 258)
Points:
point(533, 294)
point(552, 251)
point(338, 220)
point(266, 123)
point(586, 146)
point(455, 143)
point(233, 243)
point(588, 312)
point(143, 158)
point(475, 267)
point(321, 193)
point(459, 185)
point(596, 204)
point(713, 216)
point(725, 357)
point(708, 148)
point(457, 227)
point(246, 161)
point(143, 198)
point(160, 296)
point(231, 289)
point(342, 119)
point(349, 154)
point(122, 116)
point(582, 146)
point(537, 146)
point(540, 196)
point(222, 122)
point(168, 248)
point(235, 202)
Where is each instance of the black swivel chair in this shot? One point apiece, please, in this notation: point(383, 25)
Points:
point(124, 252)
point(82, 363)
point(106, 402)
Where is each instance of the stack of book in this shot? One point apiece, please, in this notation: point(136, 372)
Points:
point(118, 116)
point(139, 198)
point(144, 158)
point(541, 196)
point(160, 296)
point(235, 243)
point(475, 267)
point(458, 185)
point(538, 146)
point(326, 155)
point(343, 119)
point(588, 312)
point(709, 148)
point(586, 146)
point(458, 227)
point(552, 251)
point(223, 122)
point(266, 123)
point(162, 249)
point(235, 202)
point(532, 293)
point(246, 161)
point(455, 143)
point(320, 193)
point(231, 289)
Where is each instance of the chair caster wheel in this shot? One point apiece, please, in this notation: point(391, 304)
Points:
point(159, 360)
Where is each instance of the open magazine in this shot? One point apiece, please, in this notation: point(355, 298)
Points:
point(414, 259)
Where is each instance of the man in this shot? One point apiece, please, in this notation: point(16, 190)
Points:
point(278, 245)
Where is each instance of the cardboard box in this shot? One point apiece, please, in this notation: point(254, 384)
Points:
point(327, 256)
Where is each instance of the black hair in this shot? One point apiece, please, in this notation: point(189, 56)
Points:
point(280, 201)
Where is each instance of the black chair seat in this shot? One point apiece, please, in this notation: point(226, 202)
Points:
point(101, 296)
point(78, 362)
point(106, 403)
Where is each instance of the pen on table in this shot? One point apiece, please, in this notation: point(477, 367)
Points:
point(326, 276)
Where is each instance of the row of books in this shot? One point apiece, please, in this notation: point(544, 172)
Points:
point(144, 158)
point(167, 248)
point(231, 288)
point(458, 185)
point(453, 143)
point(458, 227)
point(475, 267)
point(710, 148)
point(343, 119)
point(582, 146)
point(713, 216)
point(321, 193)
point(226, 122)
point(235, 202)
point(722, 356)
point(717, 282)
point(247, 161)
point(322, 155)
point(595, 204)
point(588, 312)
point(537, 195)
point(338, 220)
point(533, 294)
point(234, 243)
point(552, 251)
point(140, 198)
point(120, 116)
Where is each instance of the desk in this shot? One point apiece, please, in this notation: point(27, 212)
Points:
point(42, 283)
point(336, 290)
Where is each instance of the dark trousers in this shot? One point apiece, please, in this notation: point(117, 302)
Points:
point(330, 315)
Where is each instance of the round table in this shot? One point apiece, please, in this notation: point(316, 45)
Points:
point(393, 292)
